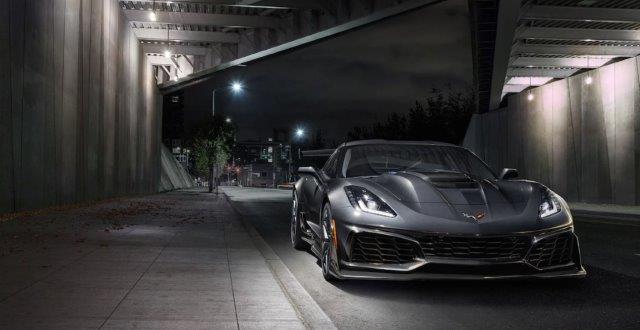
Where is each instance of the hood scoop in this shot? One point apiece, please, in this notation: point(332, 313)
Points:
point(452, 181)
point(456, 188)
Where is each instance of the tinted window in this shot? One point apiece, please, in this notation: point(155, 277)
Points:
point(330, 168)
point(371, 160)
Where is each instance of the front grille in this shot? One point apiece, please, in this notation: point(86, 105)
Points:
point(552, 251)
point(375, 248)
point(499, 248)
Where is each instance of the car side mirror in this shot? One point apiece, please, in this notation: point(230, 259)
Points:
point(508, 173)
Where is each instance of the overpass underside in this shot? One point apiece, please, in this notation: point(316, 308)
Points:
point(564, 104)
point(187, 36)
point(81, 107)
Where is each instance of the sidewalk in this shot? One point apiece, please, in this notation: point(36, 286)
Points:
point(606, 211)
point(173, 260)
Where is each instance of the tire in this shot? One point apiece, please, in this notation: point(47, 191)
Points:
point(328, 251)
point(296, 231)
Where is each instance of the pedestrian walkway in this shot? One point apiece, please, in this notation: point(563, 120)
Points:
point(606, 211)
point(175, 260)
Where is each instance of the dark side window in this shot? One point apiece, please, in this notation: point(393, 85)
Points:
point(331, 167)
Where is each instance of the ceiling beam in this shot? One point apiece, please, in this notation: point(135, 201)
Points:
point(265, 4)
point(170, 17)
point(274, 4)
point(579, 34)
point(159, 60)
point(594, 50)
point(510, 88)
point(617, 15)
point(507, 22)
point(182, 35)
point(166, 70)
point(175, 49)
point(530, 81)
point(561, 62)
point(200, 76)
point(540, 72)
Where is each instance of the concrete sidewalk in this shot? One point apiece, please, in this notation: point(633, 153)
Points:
point(606, 211)
point(174, 260)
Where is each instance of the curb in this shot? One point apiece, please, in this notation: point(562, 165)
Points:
point(308, 310)
point(626, 218)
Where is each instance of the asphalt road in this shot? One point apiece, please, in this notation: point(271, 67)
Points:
point(609, 297)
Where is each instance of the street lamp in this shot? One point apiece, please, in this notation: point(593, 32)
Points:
point(228, 120)
point(299, 133)
point(235, 86)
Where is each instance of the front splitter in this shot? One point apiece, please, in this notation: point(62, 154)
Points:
point(367, 275)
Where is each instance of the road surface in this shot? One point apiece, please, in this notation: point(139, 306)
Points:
point(608, 297)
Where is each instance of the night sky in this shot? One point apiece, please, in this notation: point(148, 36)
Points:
point(354, 79)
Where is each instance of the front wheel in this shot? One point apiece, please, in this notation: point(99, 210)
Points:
point(328, 249)
point(296, 231)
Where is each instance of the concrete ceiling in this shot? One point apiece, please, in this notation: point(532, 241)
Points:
point(212, 32)
point(551, 39)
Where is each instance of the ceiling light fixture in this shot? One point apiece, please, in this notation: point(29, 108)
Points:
point(152, 14)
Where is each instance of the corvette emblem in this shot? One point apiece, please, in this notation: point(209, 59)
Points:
point(477, 216)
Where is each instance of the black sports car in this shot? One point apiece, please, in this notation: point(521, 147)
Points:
point(425, 210)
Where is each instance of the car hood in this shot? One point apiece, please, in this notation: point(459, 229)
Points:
point(456, 196)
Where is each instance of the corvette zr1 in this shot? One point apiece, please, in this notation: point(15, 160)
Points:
point(405, 210)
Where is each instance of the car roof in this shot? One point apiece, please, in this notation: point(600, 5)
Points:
point(395, 142)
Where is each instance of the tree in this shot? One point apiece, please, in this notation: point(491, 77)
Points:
point(212, 148)
point(442, 116)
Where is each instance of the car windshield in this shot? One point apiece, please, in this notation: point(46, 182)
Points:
point(372, 160)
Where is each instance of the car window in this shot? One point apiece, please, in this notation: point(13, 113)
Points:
point(372, 160)
point(345, 163)
point(330, 168)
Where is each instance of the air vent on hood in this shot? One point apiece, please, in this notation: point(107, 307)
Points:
point(452, 180)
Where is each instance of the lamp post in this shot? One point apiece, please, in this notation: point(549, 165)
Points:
point(299, 134)
point(236, 87)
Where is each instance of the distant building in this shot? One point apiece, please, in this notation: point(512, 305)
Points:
point(264, 163)
point(260, 175)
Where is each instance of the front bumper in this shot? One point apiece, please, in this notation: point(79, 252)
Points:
point(393, 255)
point(373, 275)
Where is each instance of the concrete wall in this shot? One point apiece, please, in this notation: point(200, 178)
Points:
point(79, 116)
point(581, 140)
point(173, 175)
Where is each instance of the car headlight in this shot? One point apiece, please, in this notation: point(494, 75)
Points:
point(550, 204)
point(365, 201)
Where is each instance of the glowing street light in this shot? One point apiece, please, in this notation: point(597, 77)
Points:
point(228, 120)
point(236, 86)
point(299, 132)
